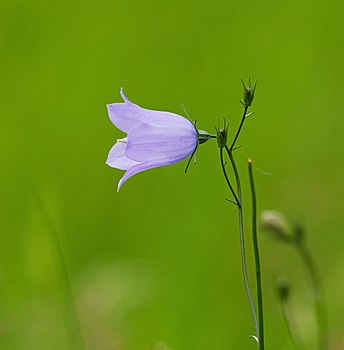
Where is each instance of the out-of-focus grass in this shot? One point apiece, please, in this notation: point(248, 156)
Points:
point(158, 263)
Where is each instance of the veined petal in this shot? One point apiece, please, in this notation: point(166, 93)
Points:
point(149, 143)
point(118, 159)
point(141, 167)
point(128, 115)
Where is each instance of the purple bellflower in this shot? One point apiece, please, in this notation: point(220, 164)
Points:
point(153, 138)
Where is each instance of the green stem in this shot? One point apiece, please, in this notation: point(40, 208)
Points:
point(291, 327)
point(242, 240)
point(256, 257)
point(319, 302)
point(71, 321)
point(226, 177)
point(239, 129)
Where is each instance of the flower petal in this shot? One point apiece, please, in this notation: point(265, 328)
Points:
point(141, 167)
point(118, 159)
point(128, 115)
point(148, 143)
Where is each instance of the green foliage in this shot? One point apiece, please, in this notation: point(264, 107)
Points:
point(157, 263)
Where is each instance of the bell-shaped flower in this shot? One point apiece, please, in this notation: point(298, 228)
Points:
point(153, 138)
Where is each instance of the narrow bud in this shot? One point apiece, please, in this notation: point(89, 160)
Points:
point(283, 288)
point(275, 223)
point(222, 135)
point(299, 233)
point(249, 92)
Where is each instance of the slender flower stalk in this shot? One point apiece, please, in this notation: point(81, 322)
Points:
point(319, 300)
point(283, 296)
point(291, 327)
point(223, 165)
point(222, 135)
point(257, 258)
point(242, 241)
point(248, 97)
point(239, 129)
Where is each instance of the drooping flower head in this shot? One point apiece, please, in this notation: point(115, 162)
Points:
point(153, 138)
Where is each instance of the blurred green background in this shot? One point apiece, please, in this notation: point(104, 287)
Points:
point(157, 265)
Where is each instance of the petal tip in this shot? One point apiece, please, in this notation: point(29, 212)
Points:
point(125, 99)
point(120, 183)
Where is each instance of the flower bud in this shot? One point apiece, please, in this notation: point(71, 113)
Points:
point(248, 92)
point(283, 288)
point(222, 135)
point(275, 223)
point(299, 234)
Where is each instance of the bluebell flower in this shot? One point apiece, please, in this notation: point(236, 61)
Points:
point(153, 138)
